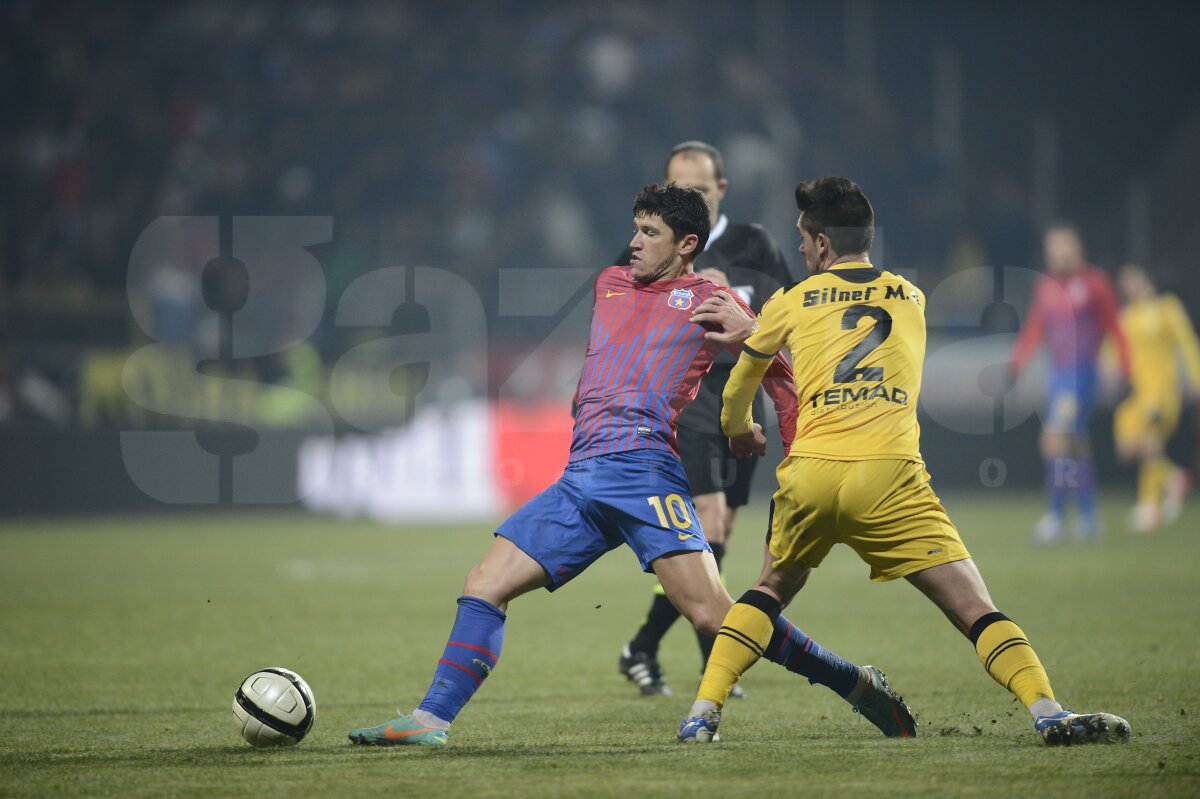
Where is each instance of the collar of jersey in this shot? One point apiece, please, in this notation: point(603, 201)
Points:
point(852, 265)
point(663, 285)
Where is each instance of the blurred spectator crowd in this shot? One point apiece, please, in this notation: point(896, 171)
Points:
point(467, 136)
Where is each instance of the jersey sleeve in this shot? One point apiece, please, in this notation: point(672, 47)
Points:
point(1110, 318)
point(738, 398)
point(781, 387)
point(1033, 329)
point(771, 334)
point(1184, 336)
point(769, 368)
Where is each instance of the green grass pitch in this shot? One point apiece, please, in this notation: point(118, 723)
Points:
point(122, 641)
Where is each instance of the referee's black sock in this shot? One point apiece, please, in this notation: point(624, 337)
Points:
point(661, 616)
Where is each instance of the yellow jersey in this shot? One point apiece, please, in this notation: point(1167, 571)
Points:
point(1159, 331)
point(856, 336)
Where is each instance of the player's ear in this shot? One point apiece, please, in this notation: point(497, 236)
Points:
point(722, 184)
point(687, 245)
point(824, 245)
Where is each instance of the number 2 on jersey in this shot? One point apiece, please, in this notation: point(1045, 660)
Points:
point(848, 369)
point(675, 506)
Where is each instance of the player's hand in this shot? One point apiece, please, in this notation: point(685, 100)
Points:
point(721, 310)
point(751, 443)
point(715, 275)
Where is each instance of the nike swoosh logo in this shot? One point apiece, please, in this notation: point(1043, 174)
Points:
point(685, 536)
point(393, 735)
point(612, 293)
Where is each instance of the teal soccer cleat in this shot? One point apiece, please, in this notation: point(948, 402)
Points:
point(881, 706)
point(700, 729)
point(1071, 729)
point(403, 731)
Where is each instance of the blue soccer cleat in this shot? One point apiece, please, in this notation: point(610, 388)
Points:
point(402, 731)
point(884, 708)
point(1071, 729)
point(701, 729)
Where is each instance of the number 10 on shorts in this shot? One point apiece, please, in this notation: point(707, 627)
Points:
point(675, 507)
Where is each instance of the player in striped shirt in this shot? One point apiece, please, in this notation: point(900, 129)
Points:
point(656, 328)
point(1074, 307)
point(747, 261)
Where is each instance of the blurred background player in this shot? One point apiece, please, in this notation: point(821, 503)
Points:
point(854, 473)
point(744, 259)
point(1159, 334)
point(1074, 306)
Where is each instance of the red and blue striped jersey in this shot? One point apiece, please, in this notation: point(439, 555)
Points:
point(644, 362)
point(1073, 315)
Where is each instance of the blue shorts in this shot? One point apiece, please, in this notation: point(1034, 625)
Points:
point(640, 498)
point(1070, 395)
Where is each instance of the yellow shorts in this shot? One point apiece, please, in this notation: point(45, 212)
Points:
point(884, 509)
point(1143, 420)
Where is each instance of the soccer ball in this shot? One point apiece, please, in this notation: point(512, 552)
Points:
point(274, 707)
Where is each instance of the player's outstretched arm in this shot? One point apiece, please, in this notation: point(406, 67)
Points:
point(760, 358)
point(1111, 318)
point(1034, 328)
point(1184, 336)
point(779, 385)
point(736, 417)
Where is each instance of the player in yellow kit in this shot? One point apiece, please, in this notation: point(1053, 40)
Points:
point(1159, 334)
point(854, 474)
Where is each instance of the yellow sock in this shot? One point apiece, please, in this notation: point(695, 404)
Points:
point(1007, 655)
point(743, 638)
point(1153, 477)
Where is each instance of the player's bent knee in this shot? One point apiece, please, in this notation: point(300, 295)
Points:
point(704, 618)
point(479, 582)
point(707, 623)
point(491, 584)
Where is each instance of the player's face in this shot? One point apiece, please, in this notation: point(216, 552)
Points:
point(695, 170)
point(1134, 284)
point(655, 253)
point(1064, 252)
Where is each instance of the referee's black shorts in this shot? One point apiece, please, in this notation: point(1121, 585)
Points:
point(711, 466)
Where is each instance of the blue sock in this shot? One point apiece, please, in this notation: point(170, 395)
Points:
point(798, 653)
point(1085, 492)
point(471, 653)
point(1060, 475)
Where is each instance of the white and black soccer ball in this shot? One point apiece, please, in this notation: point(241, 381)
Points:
point(274, 707)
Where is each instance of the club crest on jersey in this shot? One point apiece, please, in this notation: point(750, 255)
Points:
point(680, 299)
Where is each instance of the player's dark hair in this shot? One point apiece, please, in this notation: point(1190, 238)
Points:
point(1134, 268)
point(683, 209)
point(838, 208)
point(696, 146)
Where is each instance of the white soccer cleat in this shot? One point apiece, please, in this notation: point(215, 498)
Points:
point(1048, 530)
point(1145, 518)
point(1072, 729)
point(1177, 490)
